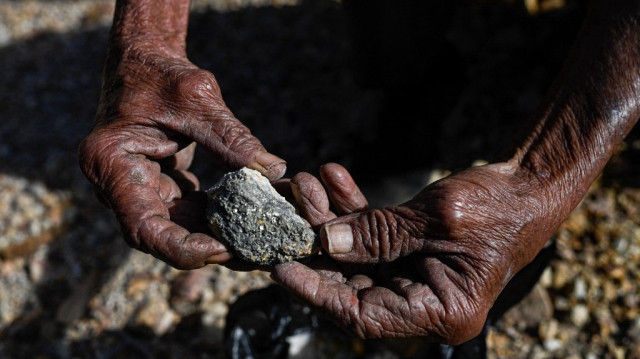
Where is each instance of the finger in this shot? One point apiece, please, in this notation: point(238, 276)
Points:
point(221, 257)
point(181, 160)
point(185, 180)
point(343, 191)
point(307, 284)
point(146, 224)
point(359, 282)
point(371, 312)
point(174, 184)
point(184, 157)
point(312, 199)
point(375, 236)
point(176, 246)
point(168, 188)
point(133, 186)
point(208, 121)
point(325, 266)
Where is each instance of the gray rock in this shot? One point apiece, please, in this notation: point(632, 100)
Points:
point(256, 222)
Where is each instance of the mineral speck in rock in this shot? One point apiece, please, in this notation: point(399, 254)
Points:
point(256, 222)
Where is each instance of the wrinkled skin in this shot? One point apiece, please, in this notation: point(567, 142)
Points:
point(432, 266)
point(155, 106)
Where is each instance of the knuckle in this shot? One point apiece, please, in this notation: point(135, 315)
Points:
point(409, 230)
point(372, 235)
point(236, 143)
point(454, 209)
point(234, 134)
point(387, 234)
point(197, 85)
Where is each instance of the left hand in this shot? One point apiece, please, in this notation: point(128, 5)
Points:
point(434, 266)
point(431, 267)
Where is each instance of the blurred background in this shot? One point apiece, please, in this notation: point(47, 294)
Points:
point(71, 288)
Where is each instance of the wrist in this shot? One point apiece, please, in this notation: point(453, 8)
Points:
point(150, 24)
point(133, 46)
point(142, 50)
point(590, 108)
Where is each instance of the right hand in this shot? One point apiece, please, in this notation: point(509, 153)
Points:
point(155, 106)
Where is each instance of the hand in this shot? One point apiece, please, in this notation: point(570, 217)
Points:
point(154, 104)
point(431, 267)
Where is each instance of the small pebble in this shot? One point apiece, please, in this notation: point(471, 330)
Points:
point(553, 344)
point(579, 315)
point(579, 289)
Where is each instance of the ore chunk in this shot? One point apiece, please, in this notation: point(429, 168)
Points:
point(256, 222)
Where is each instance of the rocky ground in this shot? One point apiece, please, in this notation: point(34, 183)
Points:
point(70, 287)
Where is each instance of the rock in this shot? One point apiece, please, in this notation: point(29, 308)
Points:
point(30, 215)
point(157, 316)
point(579, 289)
point(579, 315)
point(552, 344)
point(548, 329)
point(562, 275)
point(256, 222)
point(17, 297)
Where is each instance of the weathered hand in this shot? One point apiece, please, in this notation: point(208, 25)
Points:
point(154, 105)
point(434, 266)
point(431, 267)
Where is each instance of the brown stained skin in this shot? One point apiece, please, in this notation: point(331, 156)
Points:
point(431, 267)
point(434, 266)
point(155, 105)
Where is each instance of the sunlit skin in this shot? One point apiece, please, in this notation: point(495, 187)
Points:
point(430, 267)
point(155, 105)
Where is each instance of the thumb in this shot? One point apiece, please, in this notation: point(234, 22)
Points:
point(232, 144)
point(205, 119)
point(376, 236)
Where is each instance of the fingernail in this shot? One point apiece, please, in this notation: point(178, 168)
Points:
point(219, 258)
point(339, 238)
point(268, 164)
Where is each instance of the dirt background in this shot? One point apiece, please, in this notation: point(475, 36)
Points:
point(69, 286)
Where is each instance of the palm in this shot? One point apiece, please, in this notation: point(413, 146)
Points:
point(154, 105)
point(431, 267)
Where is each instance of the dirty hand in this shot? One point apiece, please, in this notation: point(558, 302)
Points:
point(430, 267)
point(155, 105)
